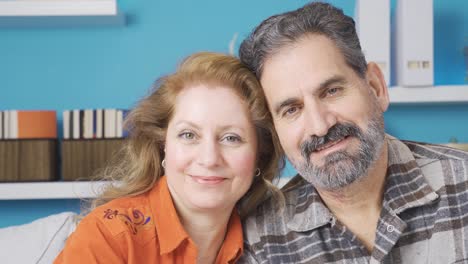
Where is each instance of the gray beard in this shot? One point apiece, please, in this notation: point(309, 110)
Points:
point(341, 168)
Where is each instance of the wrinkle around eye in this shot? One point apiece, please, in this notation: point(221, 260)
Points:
point(234, 139)
point(333, 92)
point(290, 112)
point(187, 135)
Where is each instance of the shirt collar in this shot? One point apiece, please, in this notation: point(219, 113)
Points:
point(232, 249)
point(310, 212)
point(405, 188)
point(171, 233)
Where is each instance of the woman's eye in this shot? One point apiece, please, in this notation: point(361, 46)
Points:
point(187, 135)
point(232, 138)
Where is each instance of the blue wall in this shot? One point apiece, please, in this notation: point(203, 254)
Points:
point(64, 68)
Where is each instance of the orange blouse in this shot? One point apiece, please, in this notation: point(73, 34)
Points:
point(142, 229)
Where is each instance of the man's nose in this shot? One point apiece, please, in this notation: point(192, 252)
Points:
point(318, 119)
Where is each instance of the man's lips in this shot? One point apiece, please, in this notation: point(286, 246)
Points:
point(329, 144)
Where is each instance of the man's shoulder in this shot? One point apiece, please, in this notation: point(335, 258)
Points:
point(290, 192)
point(268, 213)
point(423, 150)
point(441, 165)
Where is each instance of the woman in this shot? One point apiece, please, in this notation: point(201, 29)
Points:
point(201, 141)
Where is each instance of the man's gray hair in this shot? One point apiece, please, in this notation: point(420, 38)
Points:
point(285, 29)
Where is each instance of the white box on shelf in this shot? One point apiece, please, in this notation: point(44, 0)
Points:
point(444, 94)
point(1, 124)
point(58, 8)
point(373, 28)
point(414, 43)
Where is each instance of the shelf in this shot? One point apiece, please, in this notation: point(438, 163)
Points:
point(58, 8)
point(58, 190)
point(429, 95)
point(49, 190)
point(64, 13)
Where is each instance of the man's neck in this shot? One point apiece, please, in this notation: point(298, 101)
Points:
point(358, 205)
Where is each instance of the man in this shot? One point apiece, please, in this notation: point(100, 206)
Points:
point(361, 196)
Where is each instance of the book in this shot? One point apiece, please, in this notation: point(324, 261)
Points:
point(13, 124)
point(88, 124)
point(76, 124)
point(37, 124)
point(119, 124)
point(1, 124)
point(125, 133)
point(66, 124)
point(94, 123)
point(99, 123)
point(110, 116)
point(24, 124)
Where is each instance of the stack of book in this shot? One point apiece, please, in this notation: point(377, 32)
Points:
point(20, 124)
point(93, 123)
point(91, 138)
point(28, 145)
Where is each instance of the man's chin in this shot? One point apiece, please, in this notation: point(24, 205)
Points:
point(331, 160)
point(334, 176)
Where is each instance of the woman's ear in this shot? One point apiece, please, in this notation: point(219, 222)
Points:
point(378, 85)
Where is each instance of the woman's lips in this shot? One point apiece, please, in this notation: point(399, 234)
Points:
point(210, 180)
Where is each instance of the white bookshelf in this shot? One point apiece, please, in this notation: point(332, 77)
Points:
point(78, 190)
point(429, 95)
point(63, 13)
point(49, 190)
point(58, 190)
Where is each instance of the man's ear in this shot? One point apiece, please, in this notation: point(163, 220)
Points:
point(377, 84)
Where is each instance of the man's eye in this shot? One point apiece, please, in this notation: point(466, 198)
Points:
point(333, 91)
point(290, 111)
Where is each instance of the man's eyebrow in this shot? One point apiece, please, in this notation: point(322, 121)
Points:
point(284, 103)
point(336, 79)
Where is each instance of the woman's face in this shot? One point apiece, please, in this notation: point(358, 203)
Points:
point(211, 148)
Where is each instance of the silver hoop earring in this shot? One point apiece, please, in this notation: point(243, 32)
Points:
point(163, 163)
point(257, 172)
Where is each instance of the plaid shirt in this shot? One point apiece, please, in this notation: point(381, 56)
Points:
point(424, 216)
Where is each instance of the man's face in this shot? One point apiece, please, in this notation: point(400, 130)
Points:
point(328, 119)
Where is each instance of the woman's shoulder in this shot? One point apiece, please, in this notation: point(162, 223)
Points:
point(128, 215)
point(117, 230)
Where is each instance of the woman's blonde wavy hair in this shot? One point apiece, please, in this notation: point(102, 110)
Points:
point(137, 167)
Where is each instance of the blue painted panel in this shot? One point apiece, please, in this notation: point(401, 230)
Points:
point(25, 211)
point(63, 68)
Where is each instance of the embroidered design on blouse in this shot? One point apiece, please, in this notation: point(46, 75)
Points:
point(134, 222)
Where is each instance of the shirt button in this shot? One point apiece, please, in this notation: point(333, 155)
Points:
point(390, 228)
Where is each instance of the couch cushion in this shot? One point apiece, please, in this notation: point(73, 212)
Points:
point(37, 242)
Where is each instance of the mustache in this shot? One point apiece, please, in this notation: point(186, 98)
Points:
point(336, 132)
